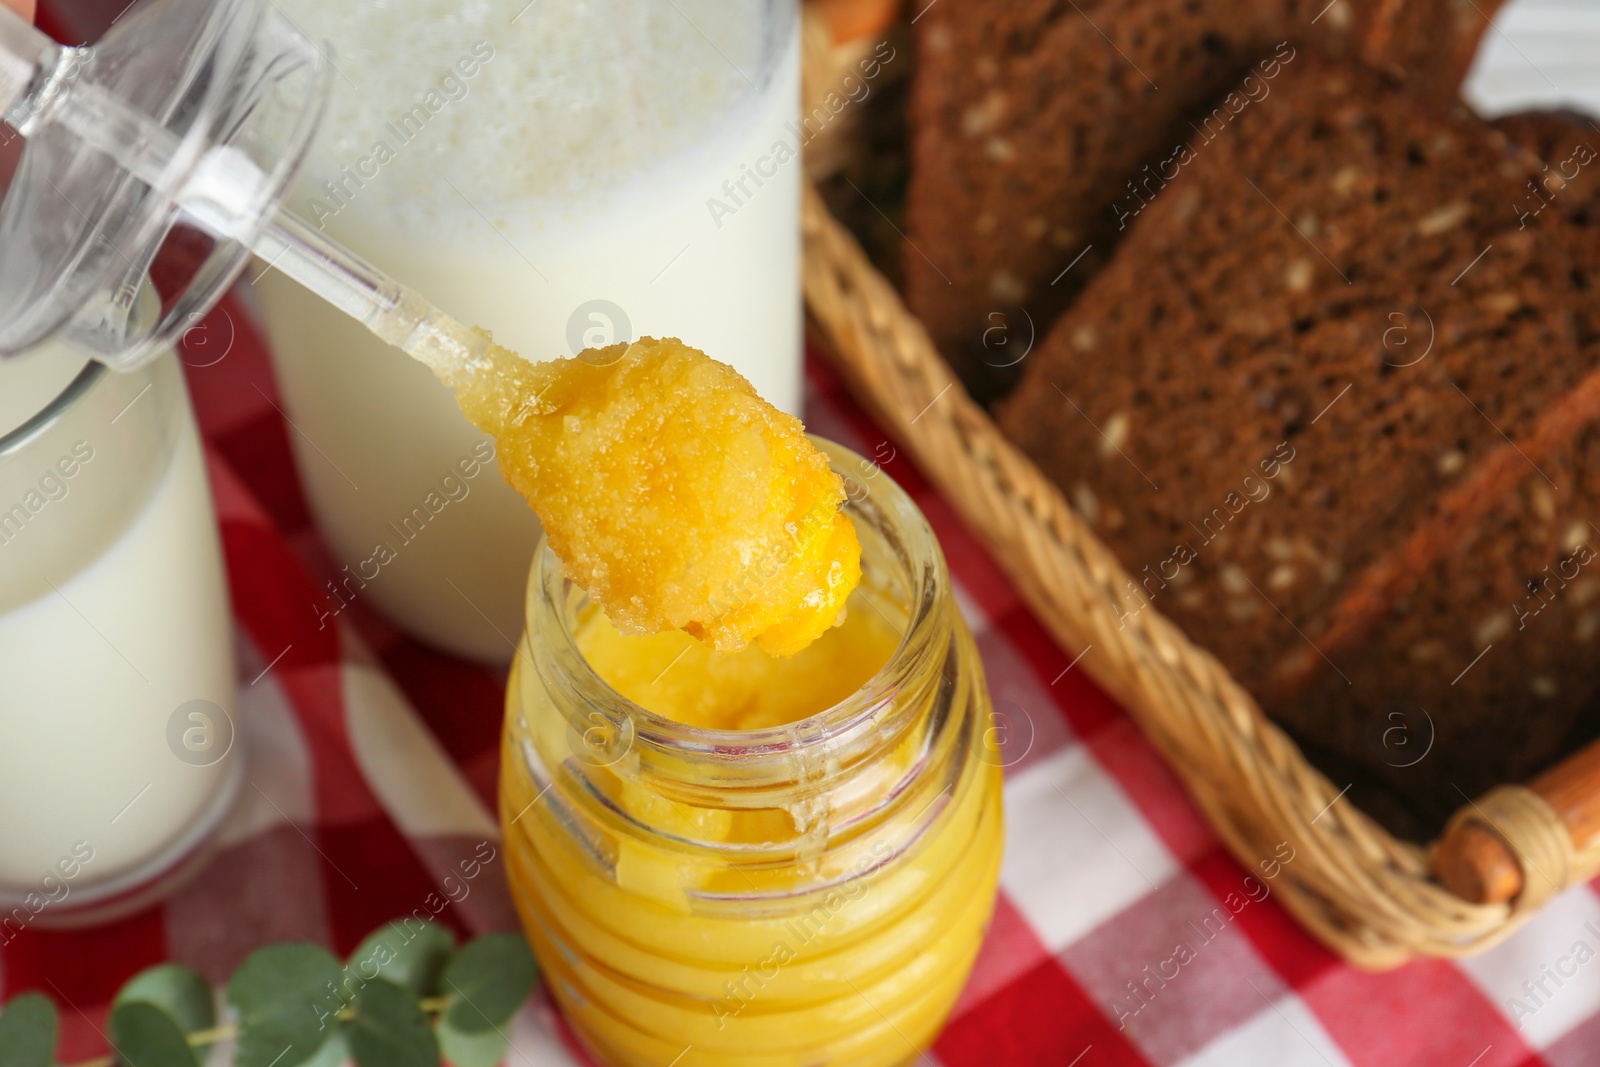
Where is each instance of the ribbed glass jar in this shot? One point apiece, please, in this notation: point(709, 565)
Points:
point(802, 895)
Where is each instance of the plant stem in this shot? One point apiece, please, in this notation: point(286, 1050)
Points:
point(216, 1033)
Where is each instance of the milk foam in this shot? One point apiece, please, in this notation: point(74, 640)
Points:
point(575, 101)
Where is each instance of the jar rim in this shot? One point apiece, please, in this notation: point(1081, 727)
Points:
point(886, 507)
point(18, 438)
point(145, 305)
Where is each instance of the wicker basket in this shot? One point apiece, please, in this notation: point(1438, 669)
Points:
point(1372, 898)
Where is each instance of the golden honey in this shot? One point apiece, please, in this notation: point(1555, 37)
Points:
point(672, 492)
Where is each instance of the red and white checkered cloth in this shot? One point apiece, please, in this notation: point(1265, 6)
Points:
point(372, 769)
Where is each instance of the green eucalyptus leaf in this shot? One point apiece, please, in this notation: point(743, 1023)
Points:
point(410, 954)
point(288, 1001)
point(487, 1048)
point(180, 992)
point(487, 981)
point(27, 1032)
point(146, 1036)
point(389, 1029)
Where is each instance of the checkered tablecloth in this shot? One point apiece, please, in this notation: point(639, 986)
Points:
point(372, 762)
point(1123, 934)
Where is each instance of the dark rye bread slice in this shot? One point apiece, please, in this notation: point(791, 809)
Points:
point(1310, 413)
point(1030, 117)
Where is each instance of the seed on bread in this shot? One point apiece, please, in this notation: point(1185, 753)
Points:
point(1298, 276)
point(1085, 503)
point(1492, 628)
point(1244, 609)
point(1233, 579)
point(1007, 286)
point(1543, 502)
point(1116, 433)
point(1430, 651)
point(1444, 219)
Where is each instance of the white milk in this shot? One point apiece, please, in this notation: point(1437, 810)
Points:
point(569, 174)
point(112, 615)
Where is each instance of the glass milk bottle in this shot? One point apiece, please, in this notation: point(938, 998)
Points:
point(116, 655)
point(565, 174)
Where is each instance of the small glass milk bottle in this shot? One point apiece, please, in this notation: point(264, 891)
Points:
point(116, 646)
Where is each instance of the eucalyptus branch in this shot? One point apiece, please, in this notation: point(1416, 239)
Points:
point(282, 999)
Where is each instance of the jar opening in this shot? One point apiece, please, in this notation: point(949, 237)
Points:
point(903, 579)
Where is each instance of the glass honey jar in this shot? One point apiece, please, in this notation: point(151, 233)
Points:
point(810, 889)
